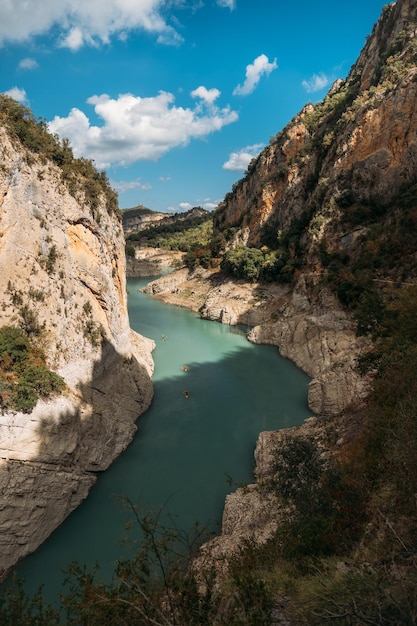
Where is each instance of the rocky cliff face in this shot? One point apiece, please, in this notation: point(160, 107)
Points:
point(333, 195)
point(358, 145)
point(63, 266)
point(337, 187)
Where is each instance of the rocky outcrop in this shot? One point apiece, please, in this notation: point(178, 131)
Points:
point(139, 218)
point(63, 265)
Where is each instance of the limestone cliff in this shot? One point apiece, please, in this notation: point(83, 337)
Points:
point(63, 270)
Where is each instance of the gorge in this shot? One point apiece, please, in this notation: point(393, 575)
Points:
point(315, 250)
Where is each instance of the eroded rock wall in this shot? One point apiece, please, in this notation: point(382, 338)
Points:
point(64, 263)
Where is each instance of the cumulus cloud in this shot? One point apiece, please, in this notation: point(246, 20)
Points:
point(136, 128)
point(210, 205)
point(254, 73)
point(239, 161)
point(18, 94)
point(121, 186)
point(186, 206)
point(316, 82)
point(28, 64)
point(227, 4)
point(87, 22)
point(208, 95)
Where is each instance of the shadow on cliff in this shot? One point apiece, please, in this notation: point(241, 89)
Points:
point(100, 428)
point(181, 456)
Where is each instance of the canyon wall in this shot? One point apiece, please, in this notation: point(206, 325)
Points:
point(63, 271)
point(331, 200)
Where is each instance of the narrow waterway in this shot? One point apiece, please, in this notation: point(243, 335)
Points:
point(186, 449)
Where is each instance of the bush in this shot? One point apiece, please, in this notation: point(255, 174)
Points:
point(130, 250)
point(24, 376)
point(14, 349)
point(327, 511)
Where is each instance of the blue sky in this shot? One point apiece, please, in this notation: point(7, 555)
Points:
point(174, 97)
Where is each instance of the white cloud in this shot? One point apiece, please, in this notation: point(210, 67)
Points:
point(186, 206)
point(28, 64)
point(18, 94)
point(227, 4)
point(239, 161)
point(136, 128)
point(316, 82)
point(87, 22)
point(122, 186)
point(208, 95)
point(254, 72)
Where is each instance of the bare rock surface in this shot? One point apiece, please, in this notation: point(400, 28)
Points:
point(64, 263)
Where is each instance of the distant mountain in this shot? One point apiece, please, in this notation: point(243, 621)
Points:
point(140, 218)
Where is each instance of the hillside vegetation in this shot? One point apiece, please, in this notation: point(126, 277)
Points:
point(79, 175)
point(191, 234)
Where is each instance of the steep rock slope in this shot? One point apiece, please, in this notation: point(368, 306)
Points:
point(337, 190)
point(357, 146)
point(331, 206)
point(63, 280)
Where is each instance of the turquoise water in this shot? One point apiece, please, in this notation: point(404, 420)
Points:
point(185, 449)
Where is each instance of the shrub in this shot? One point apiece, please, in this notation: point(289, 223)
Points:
point(37, 381)
point(327, 510)
point(14, 348)
point(24, 376)
point(130, 250)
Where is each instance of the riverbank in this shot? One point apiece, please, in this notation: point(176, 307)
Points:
point(307, 325)
point(305, 322)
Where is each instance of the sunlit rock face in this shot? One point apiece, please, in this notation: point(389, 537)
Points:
point(65, 264)
point(354, 153)
point(357, 150)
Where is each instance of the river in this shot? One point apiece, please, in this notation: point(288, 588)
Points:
point(186, 450)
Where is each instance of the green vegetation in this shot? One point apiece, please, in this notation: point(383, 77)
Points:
point(92, 331)
point(130, 250)
point(79, 175)
point(192, 235)
point(182, 235)
point(253, 264)
point(155, 587)
point(24, 376)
